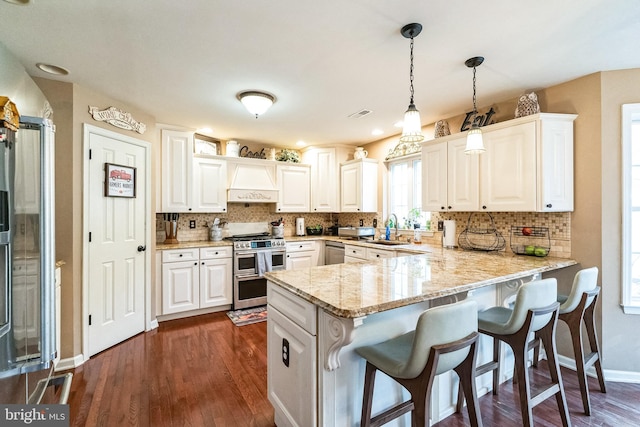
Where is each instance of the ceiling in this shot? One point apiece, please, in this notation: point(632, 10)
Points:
point(184, 62)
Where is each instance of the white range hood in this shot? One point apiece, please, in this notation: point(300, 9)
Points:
point(252, 181)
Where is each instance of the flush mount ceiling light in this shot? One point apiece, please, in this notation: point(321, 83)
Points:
point(475, 145)
point(52, 69)
point(256, 102)
point(412, 128)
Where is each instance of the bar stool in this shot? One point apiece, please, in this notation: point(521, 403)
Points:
point(535, 311)
point(444, 339)
point(575, 308)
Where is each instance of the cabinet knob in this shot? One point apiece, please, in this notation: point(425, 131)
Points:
point(288, 256)
point(484, 207)
point(142, 248)
point(180, 255)
point(378, 256)
point(202, 262)
point(448, 207)
point(441, 208)
point(195, 263)
point(224, 209)
point(549, 205)
point(189, 208)
point(216, 253)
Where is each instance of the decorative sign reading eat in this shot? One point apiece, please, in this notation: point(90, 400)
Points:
point(480, 120)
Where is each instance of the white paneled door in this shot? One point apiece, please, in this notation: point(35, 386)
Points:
point(116, 257)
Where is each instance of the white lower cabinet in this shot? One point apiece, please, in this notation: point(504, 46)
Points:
point(196, 278)
point(216, 275)
point(302, 254)
point(353, 253)
point(292, 359)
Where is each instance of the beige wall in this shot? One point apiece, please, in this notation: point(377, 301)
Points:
point(620, 331)
point(71, 103)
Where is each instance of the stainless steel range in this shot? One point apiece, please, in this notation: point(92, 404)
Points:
point(254, 255)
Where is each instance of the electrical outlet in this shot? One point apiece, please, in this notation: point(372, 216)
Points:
point(192, 223)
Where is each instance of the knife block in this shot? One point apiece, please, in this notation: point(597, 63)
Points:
point(171, 231)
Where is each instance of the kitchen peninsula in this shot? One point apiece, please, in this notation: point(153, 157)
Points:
point(318, 316)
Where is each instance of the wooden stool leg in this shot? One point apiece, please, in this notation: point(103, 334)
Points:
point(521, 376)
point(467, 375)
point(575, 329)
point(367, 399)
point(496, 359)
point(547, 335)
point(589, 322)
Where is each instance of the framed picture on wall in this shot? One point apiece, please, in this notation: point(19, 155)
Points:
point(119, 180)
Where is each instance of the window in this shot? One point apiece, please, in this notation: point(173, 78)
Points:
point(631, 208)
point(405, 192)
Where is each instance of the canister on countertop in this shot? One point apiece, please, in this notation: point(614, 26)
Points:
point(449, 234)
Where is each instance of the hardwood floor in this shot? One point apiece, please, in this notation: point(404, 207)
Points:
point(204, 371)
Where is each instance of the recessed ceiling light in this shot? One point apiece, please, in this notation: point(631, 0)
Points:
point(204, 130)
point(52, 69)
point(377, 132)
point(19, 2)
point(301, 143)
point(399, 124)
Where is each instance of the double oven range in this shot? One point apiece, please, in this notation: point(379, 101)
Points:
point(253, 254)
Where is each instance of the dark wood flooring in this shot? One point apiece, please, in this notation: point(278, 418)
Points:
point(204, 371)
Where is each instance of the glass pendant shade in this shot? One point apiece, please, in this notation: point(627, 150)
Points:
point(475, 145)
point(412, 127)
point(256, 103)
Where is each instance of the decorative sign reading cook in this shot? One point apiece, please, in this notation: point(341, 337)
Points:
point(117, 118)
point(119, 180)
point(245, 152)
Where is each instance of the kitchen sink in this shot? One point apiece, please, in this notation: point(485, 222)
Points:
point(388, 242)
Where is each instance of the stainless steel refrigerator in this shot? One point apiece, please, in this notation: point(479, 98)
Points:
point(27, 254)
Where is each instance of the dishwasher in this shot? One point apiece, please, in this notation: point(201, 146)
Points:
point(333, 253)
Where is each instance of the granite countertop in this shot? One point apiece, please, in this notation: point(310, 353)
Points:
point(358, 289)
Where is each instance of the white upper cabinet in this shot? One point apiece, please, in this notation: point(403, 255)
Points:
point(555, 191)
point(209, 185)
point(527, 167)
point(294, 185)
point(191, 183)
point(177, 163)
point(359, 186)
point(450, 177)
point(324, 179)
point(508, 169)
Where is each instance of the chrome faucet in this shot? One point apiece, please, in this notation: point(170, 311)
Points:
point(395, 223)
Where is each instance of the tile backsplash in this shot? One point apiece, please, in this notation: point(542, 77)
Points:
point(559, 223)
point(257, 212)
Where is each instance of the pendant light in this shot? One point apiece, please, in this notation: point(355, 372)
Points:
point(475, 145)
point(412, 128)
point(256, 102)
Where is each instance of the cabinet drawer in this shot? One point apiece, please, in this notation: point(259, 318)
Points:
point(174, 255)
point(380, 253)
point(309, 245)
point(355, 251)
point(299, 311)
point(216, 252)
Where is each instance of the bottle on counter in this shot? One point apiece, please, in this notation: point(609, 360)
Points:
point(387, 233)
point(417, 237)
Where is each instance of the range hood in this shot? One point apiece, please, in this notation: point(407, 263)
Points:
point(252, 181)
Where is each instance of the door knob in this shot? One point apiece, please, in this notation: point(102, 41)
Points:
point(143, 248)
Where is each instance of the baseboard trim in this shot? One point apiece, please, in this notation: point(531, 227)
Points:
point(69, 363)
point(153, 325)
point(609, 374)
